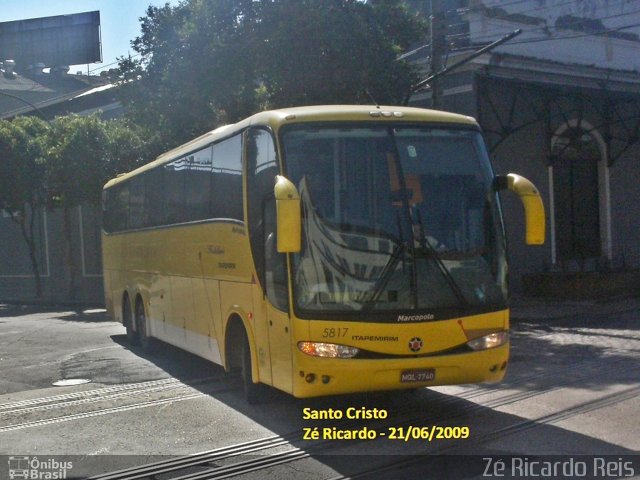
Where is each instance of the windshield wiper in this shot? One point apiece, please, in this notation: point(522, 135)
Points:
point(385, 275)
point(398, 252)
point(426, 246)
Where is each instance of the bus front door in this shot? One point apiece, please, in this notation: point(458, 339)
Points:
point(277, 308)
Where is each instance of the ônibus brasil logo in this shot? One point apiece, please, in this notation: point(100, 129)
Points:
point(36, 469)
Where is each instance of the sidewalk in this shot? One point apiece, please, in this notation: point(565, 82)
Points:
point(540, 309)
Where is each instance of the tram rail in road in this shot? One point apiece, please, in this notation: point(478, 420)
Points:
point(182, 468)
point(549, 387)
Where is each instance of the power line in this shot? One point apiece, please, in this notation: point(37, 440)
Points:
point(34, 108)
point(577, 22)
point(102, 67)
point(550, 7)
point(523, 12)
point(564, 27)
point(566, 37)
point(537, 40)
point(547, 7)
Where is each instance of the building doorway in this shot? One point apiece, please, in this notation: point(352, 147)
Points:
point(577, 197)
point(575, 189)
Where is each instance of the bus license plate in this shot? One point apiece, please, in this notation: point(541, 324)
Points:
point(424, 375)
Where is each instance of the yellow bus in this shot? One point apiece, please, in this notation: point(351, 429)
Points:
point(321, 250)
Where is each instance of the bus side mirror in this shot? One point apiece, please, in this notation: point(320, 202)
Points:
point(289, 218)
point(533, 207)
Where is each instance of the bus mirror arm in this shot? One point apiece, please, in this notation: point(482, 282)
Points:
point(289, 218)
point(531, 201)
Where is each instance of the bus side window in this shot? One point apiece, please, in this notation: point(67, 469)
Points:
point(174, 191)
point(198, 184)
point(119, 207)
point(136, 202)
point(226, 183)
point(154, 197)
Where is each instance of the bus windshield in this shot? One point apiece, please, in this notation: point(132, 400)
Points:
point(399, 218)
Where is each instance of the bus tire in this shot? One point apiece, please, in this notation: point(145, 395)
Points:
point(144, 340)
point(127, 320)
point(252, 391)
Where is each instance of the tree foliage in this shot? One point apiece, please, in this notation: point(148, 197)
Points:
point(83, 152)
point(75, 161)
point(127, 146)
point(22, 189)
point(21, 163)
point(63, 164)
point(314, 52)
point(204, 63)
point(191, 76)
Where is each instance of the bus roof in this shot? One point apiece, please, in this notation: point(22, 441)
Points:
point(319, 113)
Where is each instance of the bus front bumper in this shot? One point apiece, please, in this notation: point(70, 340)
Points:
point(315, 376)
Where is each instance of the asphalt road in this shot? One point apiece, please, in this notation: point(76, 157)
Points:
point(572, 389)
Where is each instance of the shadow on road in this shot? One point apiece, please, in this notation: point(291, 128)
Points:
point(541, 363)
point(598, 357)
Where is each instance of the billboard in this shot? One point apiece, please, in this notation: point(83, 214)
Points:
point(60, 40)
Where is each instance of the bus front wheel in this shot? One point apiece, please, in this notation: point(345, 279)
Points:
point(252, 391)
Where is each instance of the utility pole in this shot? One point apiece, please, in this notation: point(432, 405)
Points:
point(438, 44)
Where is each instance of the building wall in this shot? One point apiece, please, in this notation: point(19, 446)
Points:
point(527, 151)
point(16, 277)
point(572, 53)
point(523, 153)
point(625, 209)
point(543, 38)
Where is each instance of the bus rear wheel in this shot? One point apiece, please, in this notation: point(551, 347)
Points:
point(127, 320)
point(144, 340)
point(252, 391)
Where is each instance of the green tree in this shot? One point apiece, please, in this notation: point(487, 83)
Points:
point(22, 179)
point(205, 63)
point(63, 165)
point(193, 71)
point(127, 147)
point(341, 51)
point(75, 160)
point(83, 152)
point(75, 173)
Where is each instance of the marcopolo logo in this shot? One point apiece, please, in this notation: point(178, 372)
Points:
point(416, 318)
point(33, 468)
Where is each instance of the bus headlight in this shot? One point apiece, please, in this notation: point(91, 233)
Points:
point(330, 350)
point(492, 340)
